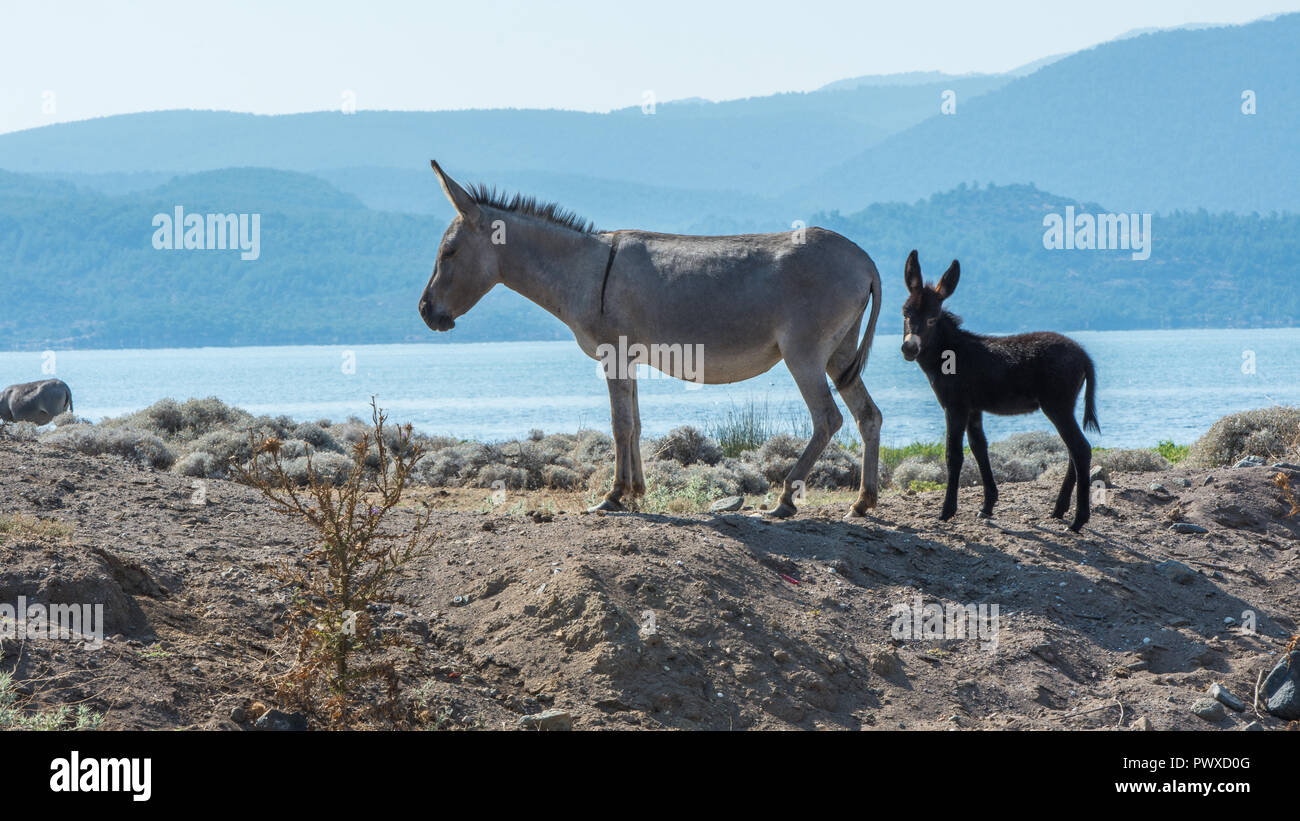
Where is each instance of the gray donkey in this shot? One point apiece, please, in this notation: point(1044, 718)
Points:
point(35, 402)
point(743, 303)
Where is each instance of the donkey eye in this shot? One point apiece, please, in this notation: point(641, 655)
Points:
point(932, 320)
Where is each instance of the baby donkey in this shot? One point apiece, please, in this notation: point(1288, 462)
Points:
point(1006, 375)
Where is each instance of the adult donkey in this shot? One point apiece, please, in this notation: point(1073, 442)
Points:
point(744, 302)
point(35, 402)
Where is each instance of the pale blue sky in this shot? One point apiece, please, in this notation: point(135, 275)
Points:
point(63, 61)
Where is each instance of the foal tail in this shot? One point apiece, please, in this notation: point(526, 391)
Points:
point(864, 347)
point(1090, 397)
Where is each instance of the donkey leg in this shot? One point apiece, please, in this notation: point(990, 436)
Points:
point(979, 447)
point(1067, 489)
point(826, 418)
point(868, 418)
point(638, 472)
point(624, 421)
point(956, 419)
point(1080, 461)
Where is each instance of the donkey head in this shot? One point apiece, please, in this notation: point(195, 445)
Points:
point(924, 305)
point(467, 266)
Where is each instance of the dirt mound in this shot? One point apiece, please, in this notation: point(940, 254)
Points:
point(683, 621)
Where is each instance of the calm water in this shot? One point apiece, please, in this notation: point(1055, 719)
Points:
point(1153, 385)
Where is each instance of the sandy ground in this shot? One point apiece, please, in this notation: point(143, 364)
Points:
point(717, 621)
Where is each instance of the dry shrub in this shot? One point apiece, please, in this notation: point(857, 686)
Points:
point(1269, 433)
point(687, 446)
point(1130, 461)
point(355, 562)
point(137, 446)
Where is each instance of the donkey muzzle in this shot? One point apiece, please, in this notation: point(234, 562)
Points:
point(911, 347)
point(436, 320)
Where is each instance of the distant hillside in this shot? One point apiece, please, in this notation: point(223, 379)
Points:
point(81, 270)
point(1150, 123)
point(756, 146)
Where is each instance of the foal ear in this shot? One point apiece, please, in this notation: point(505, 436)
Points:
point(912, 273)
point(948, 283)
point(460, 199)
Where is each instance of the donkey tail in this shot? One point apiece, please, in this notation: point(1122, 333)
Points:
point(864, 347)
point(1090, 398)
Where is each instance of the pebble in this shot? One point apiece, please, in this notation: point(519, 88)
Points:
point(728, 504)
point(1208, 709)
point(279, 721)
point(1187, 527)
point(1176, 572)
point(1220, 694)
point(1249, 462)
point(549, 720)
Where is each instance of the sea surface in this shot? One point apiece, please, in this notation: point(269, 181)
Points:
point(1153, 385)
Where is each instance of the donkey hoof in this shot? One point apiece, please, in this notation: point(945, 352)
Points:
point(607, 505)
point(855, 513)
point(1077, 525)
point(985, 514)
point(782, 511)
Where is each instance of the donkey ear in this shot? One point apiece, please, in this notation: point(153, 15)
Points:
point(460, 199)
point(948, 283)
point(912, 273)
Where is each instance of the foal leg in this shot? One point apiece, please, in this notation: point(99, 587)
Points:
point(625, 421)
point(956, 418)
point(979, 447)
point(810, 376)
point(1080, 463)
point(868, 418)
point(1067, 488)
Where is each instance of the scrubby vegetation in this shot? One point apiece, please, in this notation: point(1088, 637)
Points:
point(355, 564)
point(17, 714)
point(746, 453)
point(1267, 433)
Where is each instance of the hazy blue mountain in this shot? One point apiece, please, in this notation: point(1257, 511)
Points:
point(1151, 123)
point(755, 146)
point(81, 270)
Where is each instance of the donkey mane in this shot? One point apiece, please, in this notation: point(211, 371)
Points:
point(552, 212)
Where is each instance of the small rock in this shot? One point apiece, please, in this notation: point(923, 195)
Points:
point(780, 656)
point(1176, 572)
point(728, 504)
point(1253, 726)
point(1099, 474)
point(1143, 724)
point(460, 601)
point(1286, 466)
point(1187, 527)
point(1183, 481)
point(1208, 709)
point(1249, 462)
point(549, 720)
point(1220, 694)
point(885, 663)
point(1159, 489)
point(1282, 688)
point(279, 721)
point(239, 715)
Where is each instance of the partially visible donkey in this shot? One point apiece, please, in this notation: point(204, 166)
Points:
point(745, 302)
point(1006, 375)
point(35, 402)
